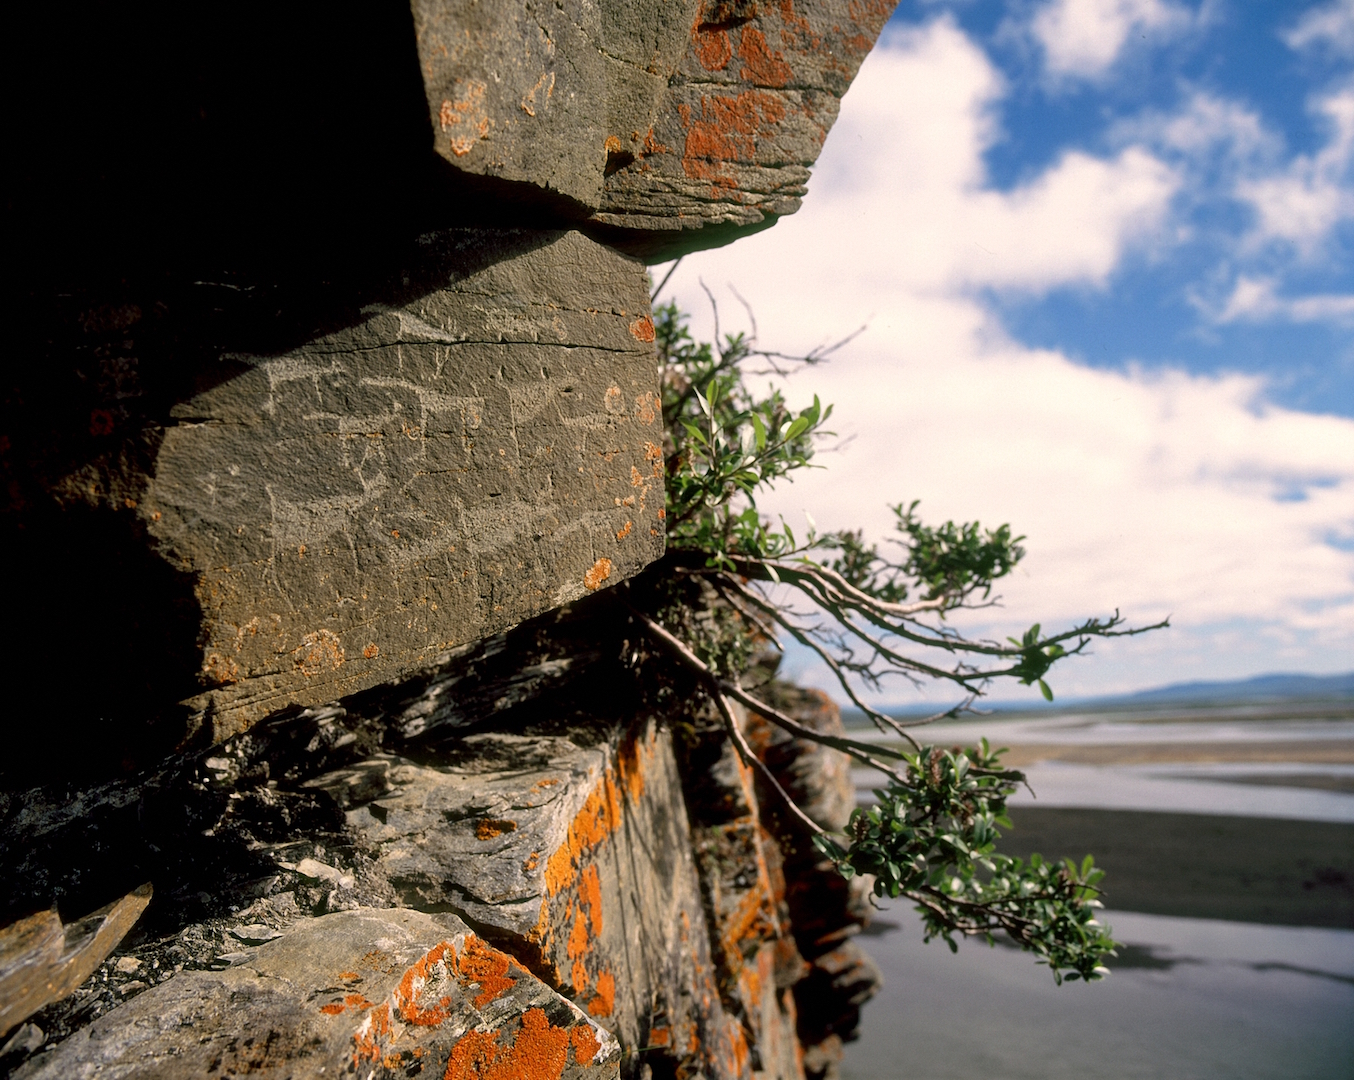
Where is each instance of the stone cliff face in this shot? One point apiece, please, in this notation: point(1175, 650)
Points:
point(333, 364)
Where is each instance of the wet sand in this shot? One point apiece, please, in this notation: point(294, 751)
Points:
point(1263, 870)
point(1315, 752)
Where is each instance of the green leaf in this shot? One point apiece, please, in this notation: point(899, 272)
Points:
point(1044, 689)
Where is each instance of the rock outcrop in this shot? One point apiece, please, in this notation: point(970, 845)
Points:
point(329, 430)
point(637, 876)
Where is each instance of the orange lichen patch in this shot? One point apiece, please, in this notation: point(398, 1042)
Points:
point(601, 570)
point(578, 976)
point(646, 407)
point(611, 400)
point(600, 815)
point(653, 454)
point(367, 1038)
point(371, 651)
point(466, 115)
point(590, 894)
point(578, 939)
point(740, 1051)
point(485, 965)
point(624, 530)
point(549, 781)
point(318, 652)
point(605, 1001)
point(431, 973)
point(488, 828)
point(636, 477)
point(585, 1044)
point(711, 47)
point(528, 102)
point(333, 1008)
point(751, 921)
point(642, 328)
point(632, 761)
point(612, 144)
point(532, 861)
point(349, 976)
point(662, 513)
point(660, 1036)
point(761, 66)
point(539, 1052)
point(726, 131)
point(220, 670)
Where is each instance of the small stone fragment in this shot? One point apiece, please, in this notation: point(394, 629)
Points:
point(318, 871)
point(252, 934)
point(126, 965)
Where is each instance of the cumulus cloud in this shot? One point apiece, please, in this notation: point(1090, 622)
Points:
point(920, 119)
point(1160, 493)
point(1256, 299)
point(1303, 203)
point(1327, 26)
point(1084, 38)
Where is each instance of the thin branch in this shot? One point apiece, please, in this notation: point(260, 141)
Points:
point(671, 270)
point(860, 751)
point(753, 761)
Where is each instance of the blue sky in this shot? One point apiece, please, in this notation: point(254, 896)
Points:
point(1235, 55)
point(1104, 252)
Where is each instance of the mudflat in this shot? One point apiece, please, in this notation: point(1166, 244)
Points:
point(1263, 870)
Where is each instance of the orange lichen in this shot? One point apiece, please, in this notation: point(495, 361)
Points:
point(660, 1036)
point(590, 893)
point(601, 570)
point(612, 145)
point(483, 964)
point(220, 670)
point(532, 861)
point(662, 513)
point(642, 328)
point(432, 967)
point(371, 651)
point(318, 652)
point(711, 47)
point(539, 1052)
point(726, 130)
point(585, 1044)
point(624, 530)
point(605, 1001)
point(375, 1026)
point(333, 1008)
point(578, 942)
point(646, 407)
point(489, 828)
point(578, 976)
point(653, 454)
point(761, 66)
point(467, 115)
point(349, 976)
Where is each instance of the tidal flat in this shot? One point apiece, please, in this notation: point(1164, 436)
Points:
point(1227, 836)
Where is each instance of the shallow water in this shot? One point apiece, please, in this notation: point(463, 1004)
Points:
point(1189, 998)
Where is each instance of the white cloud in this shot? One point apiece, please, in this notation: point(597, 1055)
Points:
point(1256, 299)
point(1159, 493)
point(1330, 26)
point(1204, 125)
point(919, 121)
point(1302, 204)
point(1084, 38)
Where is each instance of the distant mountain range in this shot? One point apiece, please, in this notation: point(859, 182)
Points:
point(1259, 688)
